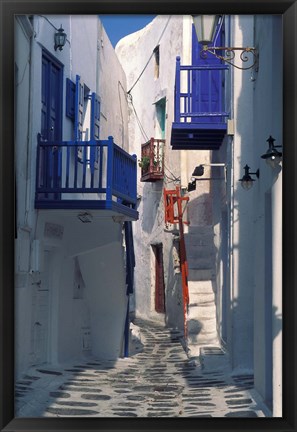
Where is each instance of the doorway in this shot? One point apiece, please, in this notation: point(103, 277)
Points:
point(51, 123)
point(41, 314)
point(159, 279)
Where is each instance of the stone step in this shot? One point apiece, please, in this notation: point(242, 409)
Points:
point(202, 312)
point(202, 231)
point(200, 274)
point(200, 264)
point(200, 247)
point(195, 349)
point(193, 244)
point(201, 287)
point(201, 299)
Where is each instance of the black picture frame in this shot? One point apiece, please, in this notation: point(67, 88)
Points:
point(288, 9)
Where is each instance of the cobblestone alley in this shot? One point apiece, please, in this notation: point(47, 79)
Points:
point(158, 381)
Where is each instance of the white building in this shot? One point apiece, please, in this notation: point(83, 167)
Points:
point(233, 238)
point(72, 199)
point(75, 190)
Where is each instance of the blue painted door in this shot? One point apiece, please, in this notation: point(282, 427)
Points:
point(51, 122)
point(207, 85)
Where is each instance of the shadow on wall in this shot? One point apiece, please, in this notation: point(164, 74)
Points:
point(199, 209)
point(152, 195)
point(195, 327)
point(252, 304)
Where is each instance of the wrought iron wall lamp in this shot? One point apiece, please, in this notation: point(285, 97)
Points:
point(60, 39)
point(247, 180)
point(272, 156)
point(199, 171)
point(205, 26)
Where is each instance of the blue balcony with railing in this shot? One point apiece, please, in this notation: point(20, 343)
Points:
point(200, 116)
point(80, 175)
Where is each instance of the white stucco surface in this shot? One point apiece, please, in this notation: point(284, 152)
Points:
point(135, 53)
point(86, 302)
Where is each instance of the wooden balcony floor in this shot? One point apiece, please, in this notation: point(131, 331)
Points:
point(197, 136)
point(98, 207)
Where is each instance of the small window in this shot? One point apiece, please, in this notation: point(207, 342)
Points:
point(161, 118)
point(157, 61)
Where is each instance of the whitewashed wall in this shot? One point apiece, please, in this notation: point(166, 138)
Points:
point(134, 52)
point(268, 214)
point(76, 320)
point(249, 306)
point(23, 287)
point(243, 212)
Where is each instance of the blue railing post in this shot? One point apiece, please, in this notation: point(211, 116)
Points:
point(109, 174)
point(177, 91)
point(38, 163)
point(134, 179)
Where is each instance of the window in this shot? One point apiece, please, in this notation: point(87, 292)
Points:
point(157, 61)
point(160, 116)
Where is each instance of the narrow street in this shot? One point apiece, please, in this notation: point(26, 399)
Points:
point(158, 381)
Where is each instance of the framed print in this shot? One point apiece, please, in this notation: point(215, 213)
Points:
point(148, 215)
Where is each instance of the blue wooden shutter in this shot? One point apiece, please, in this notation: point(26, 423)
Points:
point(79, 109)
point(95, 117)
point(70, 99)
point(94, 129)
point(207, 85)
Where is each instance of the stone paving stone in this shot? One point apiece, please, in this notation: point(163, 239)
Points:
point(58, 394)
point(70, 411)
point(233, 390)
point(21, 387)
point(128, 404)
point(83, 374)
point(76, 404)
point(241, 414)
point(79, 383)
point(122, 391)
point(136, 397)
point(239, 401)
point(160, 381)
point(19, 394)
point(31, 377)
point(95, 397)
point(234, 395)
point(125, 414)
point(49, 372)
point(81, 390)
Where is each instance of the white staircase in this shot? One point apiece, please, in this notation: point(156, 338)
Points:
point(202, 323)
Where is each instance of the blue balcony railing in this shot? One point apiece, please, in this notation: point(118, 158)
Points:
point(86, 175)
point(200, 115)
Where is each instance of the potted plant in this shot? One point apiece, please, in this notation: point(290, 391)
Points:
point(144, 162)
